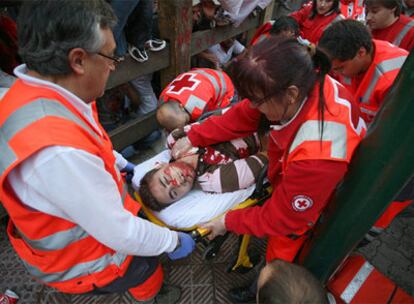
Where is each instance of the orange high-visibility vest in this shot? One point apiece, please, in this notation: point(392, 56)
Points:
point(343, 131)
point(378, 79)
point(200, 91)
point(357, 281)
point(353, 9)
point(56, 251)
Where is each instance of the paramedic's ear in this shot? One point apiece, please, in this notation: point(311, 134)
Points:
point(292, 94)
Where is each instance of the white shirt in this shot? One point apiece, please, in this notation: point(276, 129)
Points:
point(73, 184)
point(223, 56)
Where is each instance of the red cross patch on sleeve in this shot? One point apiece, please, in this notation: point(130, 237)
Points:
point(301, 203)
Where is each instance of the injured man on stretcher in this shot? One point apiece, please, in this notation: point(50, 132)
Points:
point(222, 168)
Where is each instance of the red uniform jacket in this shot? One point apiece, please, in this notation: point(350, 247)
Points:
point(400, 33)
point(312, 29)
point(312, 177)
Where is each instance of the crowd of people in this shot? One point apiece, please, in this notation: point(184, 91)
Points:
point(297, 98)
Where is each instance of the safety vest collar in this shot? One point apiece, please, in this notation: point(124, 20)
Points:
point(282, 135)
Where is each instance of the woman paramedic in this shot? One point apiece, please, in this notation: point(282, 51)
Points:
point(314, 127)
point(315, 16)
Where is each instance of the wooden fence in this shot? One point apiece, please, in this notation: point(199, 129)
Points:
point(175, 22)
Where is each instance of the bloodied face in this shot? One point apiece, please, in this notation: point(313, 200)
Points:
point(172, 181)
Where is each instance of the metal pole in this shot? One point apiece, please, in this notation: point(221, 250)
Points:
point(381, 166)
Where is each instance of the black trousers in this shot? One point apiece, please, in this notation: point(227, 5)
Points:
point(140, 269)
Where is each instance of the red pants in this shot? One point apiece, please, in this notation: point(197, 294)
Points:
point(150, 287)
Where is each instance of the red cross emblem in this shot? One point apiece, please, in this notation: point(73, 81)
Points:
point(301, 203)
point(186, 81)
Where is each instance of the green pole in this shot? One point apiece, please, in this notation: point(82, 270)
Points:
point(381, 166)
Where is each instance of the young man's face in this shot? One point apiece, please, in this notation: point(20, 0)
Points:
point(379, 17)
point(351, 67)
point(409, 3)
point(172, 181)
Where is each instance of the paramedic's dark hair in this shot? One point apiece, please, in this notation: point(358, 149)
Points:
point(390, 4)
point(285, 23)
point(335, 8)
point(343, 39)
point(269, 68)
point(290, 283)
point(49, 29)
point(144, 192)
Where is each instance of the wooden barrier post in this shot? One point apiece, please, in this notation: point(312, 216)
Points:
point(176, 27)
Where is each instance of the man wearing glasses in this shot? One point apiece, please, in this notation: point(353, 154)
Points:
point(72, 221)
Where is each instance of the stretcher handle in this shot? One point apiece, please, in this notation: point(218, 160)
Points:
point(199, 233)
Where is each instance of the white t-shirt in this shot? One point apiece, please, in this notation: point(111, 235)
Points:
point(223, 56)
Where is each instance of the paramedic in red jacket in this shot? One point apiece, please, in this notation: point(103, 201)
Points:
point(366, 67)
point(309, 148)
point(314, 17)
point(284, 25)
point(72, 222)
point(191, 94)
point(386, 22)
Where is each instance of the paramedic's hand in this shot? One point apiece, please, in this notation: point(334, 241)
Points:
point(181, 148)
point(129, 170)
point(217, 227)
point(185, 246)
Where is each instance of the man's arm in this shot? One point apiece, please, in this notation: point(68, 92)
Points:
point(73, 184)
point(233, 176)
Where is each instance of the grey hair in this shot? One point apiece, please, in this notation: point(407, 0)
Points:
point(49, 29)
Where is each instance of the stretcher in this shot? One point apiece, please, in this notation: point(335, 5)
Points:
point(198, 207)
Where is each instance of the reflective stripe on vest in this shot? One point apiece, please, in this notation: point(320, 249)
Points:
point(333, 131)
point(356, 283)
point(346, 80)
point(28, 114)
point(61, 239)
point(195, 102)
point(223, 88)
point(361, 123)
point(79, 270)
point(381, 69)
point(261, 38)
point(368, 112)
point(404, 31)
point(213, 81)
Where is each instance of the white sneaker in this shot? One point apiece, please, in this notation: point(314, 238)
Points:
point(155, 45)
point(137, 54)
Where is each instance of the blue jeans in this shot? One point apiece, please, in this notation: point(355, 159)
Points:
point(134, 23)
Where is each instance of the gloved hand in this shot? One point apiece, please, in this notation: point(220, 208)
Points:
point(129, 170)
point(185, 247)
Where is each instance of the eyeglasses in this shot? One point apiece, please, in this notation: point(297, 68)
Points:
point(115, 59)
